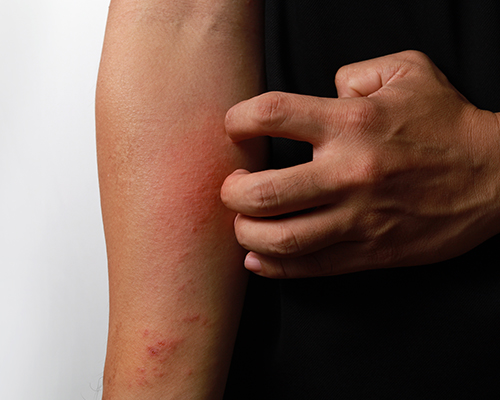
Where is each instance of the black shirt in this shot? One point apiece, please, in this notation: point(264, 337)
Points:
point(426, 332)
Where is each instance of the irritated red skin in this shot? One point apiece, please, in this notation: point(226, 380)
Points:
point(157, 350)
point(182, 209)
point(181, 204)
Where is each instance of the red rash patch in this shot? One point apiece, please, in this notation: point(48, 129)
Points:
point(187, 176)
point(191, 318)
point(158, 351)
point(141, 377)
point(164, 348)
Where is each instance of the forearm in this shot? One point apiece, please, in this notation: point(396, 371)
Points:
point(169, 72)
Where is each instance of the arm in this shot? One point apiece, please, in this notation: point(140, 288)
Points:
point(169, 72)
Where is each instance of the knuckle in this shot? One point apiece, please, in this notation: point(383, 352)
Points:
point(318, 266)
point(342, 74)
point(383, 255)
point(368, 170)
point(415, 56)
point(372, 222)
point(380, 238)
point(362, 116)
point(225, 193)
point(416, 61)
point(285, 243)
point(387, 256)
point(279, 270)
point(242, 236)
point(346, 80)
point(271, 110)
point(263, 197)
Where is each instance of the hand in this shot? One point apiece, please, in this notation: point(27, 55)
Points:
point(405, 172)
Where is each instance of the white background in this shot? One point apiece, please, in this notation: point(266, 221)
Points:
point(53, 279)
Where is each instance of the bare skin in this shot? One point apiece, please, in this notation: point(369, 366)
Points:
point(170, 70)
point(405, 172)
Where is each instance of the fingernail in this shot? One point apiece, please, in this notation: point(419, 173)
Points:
point(252, 263)
point(236, 219)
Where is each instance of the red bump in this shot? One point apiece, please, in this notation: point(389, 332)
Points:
point(152, 350)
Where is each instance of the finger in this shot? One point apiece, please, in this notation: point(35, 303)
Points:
point(341, 258)
point(316, 120)
point(279, 114)
point(366, 77)
point(276, 192)
point(297, 235)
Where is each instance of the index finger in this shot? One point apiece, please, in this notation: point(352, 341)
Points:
point(279, 114)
